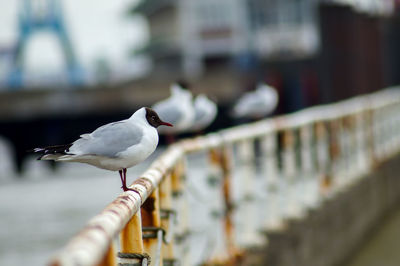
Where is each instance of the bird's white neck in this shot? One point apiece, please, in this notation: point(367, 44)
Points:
point(139, 115)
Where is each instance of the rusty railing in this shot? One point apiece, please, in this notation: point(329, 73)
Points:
point(205, 199)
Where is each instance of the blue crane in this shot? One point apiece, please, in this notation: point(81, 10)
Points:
point(30, 21)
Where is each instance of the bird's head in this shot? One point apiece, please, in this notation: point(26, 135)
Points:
point(154, 120)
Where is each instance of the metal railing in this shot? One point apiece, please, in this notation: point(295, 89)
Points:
point(245, 179)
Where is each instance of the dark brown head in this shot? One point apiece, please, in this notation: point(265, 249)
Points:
point(154, 120)
point(183, 84)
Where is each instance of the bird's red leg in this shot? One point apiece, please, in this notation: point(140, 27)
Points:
point(122, 173)
point(125, 187)
point(123, 181)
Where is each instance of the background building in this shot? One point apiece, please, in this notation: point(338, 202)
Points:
point(312, 51)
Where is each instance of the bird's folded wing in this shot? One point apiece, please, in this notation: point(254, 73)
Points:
point(108, 140)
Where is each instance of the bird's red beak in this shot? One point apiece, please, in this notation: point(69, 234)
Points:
point(166, 124)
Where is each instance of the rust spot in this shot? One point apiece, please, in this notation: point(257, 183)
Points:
point(147, 210)
point(148, 205)
point(147, 244)
point(125, 198)
point(55, 263)
point(115, 212)
point(98, 227)
point(125, 204)
point(326, 182)
point(144, 182)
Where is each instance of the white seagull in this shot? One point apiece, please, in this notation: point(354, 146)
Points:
point(177, 109)
point(256, 104)
point(205, 112)
point(115, 146)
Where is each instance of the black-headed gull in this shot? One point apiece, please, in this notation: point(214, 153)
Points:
point(115, 146)
point(256, 104)
point(177, 109)
point(205, 112)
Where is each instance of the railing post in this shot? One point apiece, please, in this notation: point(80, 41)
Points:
point(269, 151)
point(334, 152)
point(226, 165)
point(322, 156)
point(349, 148)
point(396, 127)
point(219, 251)
point(110, 257)
point(371, 138)
point(131, 239)
point(152, 231)
point(167, 219)
point(361, 143)
point(289, 172)
point(309, 178)
point(179, 201)
point(249, 185)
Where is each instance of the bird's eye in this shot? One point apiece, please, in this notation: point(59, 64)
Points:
point(153, 117)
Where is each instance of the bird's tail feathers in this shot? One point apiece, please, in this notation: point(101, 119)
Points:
point(52, 152)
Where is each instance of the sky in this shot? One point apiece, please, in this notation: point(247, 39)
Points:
point(97, 29)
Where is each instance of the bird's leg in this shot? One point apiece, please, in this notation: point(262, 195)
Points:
point(122, 173)
point(123, 181)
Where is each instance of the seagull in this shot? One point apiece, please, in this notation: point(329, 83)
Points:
point(115, 146)
point(205, 112)
point(256, 104)
point(177, 109)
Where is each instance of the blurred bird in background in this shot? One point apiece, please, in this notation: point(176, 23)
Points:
point(205, 113)
point(256, 104)
point(177, 109)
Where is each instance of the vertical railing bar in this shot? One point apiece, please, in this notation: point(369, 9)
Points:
point(371, 138)
point(248, 196)
point(167, 218)
point(150, 212)
point(288, 170)
point(109, 258)
point(181, 230)
point(226, 165)
point(334, 152)
point(270, 154)
point(131, 240)
point(322, 156)
point(308, 177)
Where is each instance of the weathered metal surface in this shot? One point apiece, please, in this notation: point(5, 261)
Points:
point(362, 131)
point(131, 238)
point(90, 245)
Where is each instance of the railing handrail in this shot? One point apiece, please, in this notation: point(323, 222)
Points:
point(89, 246)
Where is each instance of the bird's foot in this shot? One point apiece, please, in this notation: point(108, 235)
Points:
point(125, 188)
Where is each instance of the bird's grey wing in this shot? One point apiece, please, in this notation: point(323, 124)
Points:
point(245, 104)
point(168, 112)
point(109, 140)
